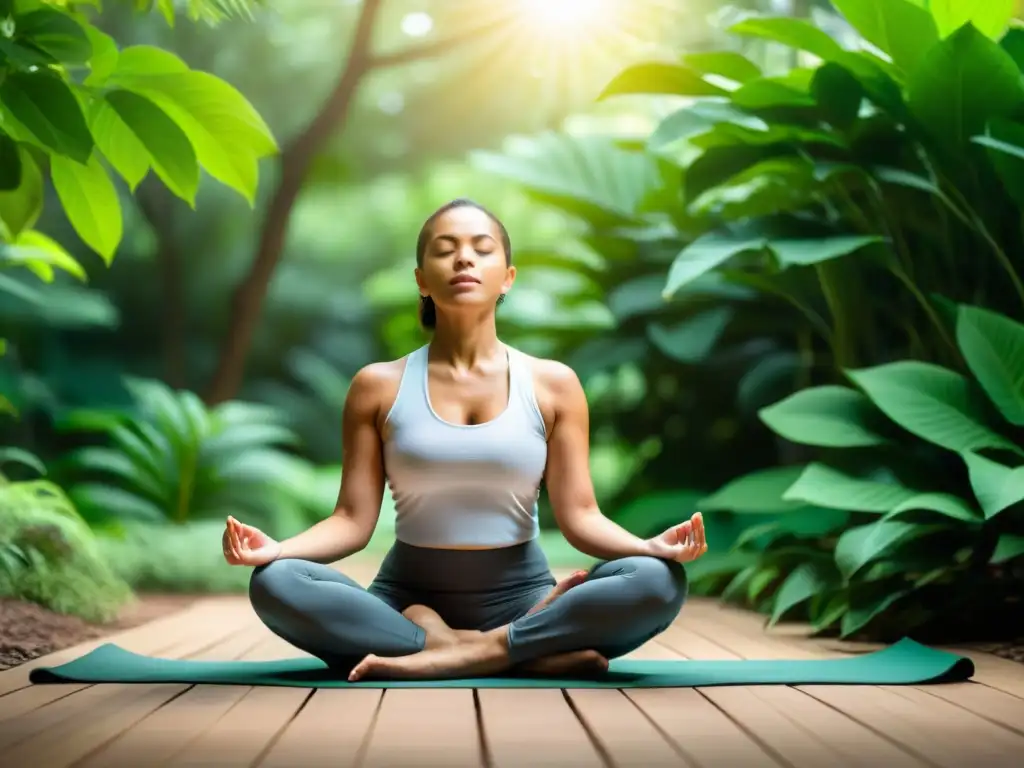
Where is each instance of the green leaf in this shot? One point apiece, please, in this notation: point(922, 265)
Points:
point(660, 78)
point(691, 340)
point(91, 203)
point(993, 346)
point(800, 34)
point(228, 135)
point(46, 107)
point(991, 17)
point(119, 145)
point(900, 28)
point(701, 116)
point(23, 457)
point(705, 253)
point(961, 84)
point(863, 544)
point(996, 486)
point(1004, 146)
point(815, 250)
point(40, 253)
point(823, 486)
point(931, 402)
point(771, 93)
point(760, 492)
point(1009, 547)
point(10, 163)
point(839, 94)
point(729, 64)
point(116, 502)
point(56, 33)
point(862, 611)
point(104, 56)
point(172, 155)
point(801, 585)
point(828, 416)
point(20, 208)
point(944, 504)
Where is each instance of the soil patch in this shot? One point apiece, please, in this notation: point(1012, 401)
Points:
point(28, 631)
point(1013, 650)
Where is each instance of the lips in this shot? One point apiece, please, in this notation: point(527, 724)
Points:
point(459, 279)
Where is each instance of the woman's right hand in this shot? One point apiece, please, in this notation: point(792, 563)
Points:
point(247, 545)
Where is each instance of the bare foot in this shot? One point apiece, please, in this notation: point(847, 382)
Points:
point(486, 655)
point(438, 633)
point(575, 663)
point(572, 580)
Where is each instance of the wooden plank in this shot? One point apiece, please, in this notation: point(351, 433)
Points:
point(431, 727)
point(98, 714)
point(904, 719)
point(152, 637)
point(331, 731)
point(699, 730)
point(534, 727)
point(626, 735)
point(990, 670)
point(161, 734)
point(247, 730)
point(990, 703)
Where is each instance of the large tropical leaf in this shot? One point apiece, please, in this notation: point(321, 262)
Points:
point(996, 486)
point(932, 402)
point(993, 346)
point(761, 492)
point(828, 416)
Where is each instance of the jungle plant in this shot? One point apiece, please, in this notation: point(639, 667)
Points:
point(79, 110)
point(48, 554)
point(918, 489)
point(170, 459)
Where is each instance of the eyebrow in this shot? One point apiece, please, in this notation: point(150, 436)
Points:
point(455, 241)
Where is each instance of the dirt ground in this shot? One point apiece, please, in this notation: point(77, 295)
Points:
point(28, 631)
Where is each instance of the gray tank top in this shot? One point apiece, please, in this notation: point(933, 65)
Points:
point(460, 487)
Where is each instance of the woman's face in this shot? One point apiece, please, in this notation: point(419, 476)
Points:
point(464, 263)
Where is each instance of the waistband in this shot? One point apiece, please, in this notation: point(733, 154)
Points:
point(469, 571)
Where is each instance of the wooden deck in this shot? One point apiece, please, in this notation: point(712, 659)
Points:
point(955, 725)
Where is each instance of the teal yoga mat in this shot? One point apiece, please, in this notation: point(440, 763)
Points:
point(904, 663)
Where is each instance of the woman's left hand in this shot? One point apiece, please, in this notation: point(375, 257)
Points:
point(682, 543)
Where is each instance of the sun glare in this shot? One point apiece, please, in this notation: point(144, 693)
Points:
point(564, 13)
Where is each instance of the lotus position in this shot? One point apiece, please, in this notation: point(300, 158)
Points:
point(464, 430)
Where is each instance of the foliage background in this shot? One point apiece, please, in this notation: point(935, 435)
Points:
point(780, 242)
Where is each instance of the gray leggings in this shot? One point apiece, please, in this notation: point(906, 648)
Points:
point(622, 604)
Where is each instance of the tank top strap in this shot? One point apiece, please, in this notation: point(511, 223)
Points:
point(522, 390)
point(412, 387)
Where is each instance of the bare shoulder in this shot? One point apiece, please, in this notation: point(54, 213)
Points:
point(557, 386)
point(375, 386)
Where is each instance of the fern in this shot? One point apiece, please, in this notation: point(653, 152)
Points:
point(48, 554)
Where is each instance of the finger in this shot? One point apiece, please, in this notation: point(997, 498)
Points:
point(701, 533)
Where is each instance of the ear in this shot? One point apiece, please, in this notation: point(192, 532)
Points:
point(510, 278)
point(420, 282)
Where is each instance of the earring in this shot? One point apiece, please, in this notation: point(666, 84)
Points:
point(501, 299)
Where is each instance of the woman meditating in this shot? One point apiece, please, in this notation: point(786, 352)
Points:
point(464, 430)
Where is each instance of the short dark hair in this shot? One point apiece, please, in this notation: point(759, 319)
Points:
point(428, 312)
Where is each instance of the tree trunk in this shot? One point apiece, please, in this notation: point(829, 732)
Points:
point(294, 162)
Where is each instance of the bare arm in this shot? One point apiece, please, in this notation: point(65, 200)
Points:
point(350, 526)
point(567, 474)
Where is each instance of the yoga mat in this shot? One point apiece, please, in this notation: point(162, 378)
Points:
point(903, 663)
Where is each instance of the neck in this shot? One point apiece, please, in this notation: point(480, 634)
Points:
point(464, 342)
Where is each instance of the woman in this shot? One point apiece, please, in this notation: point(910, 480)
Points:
point(464, 430)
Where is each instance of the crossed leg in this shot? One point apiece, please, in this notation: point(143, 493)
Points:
point(618, 607)
point(440, 635)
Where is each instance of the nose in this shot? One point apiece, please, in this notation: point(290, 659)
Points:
point(464, 256)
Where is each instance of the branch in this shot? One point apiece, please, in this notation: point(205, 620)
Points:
point(432, 48)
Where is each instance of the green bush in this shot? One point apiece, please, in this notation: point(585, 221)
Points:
point(172, 459)
point(920, 490)
point(48, 554)
point(852, 219)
